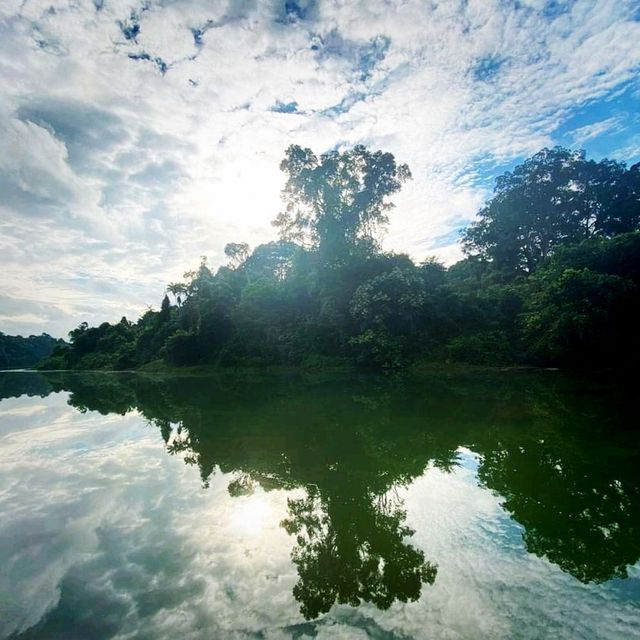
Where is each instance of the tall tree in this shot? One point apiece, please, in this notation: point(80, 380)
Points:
point(555, 197)
point(165, 309)
point(237, 252)
point(339, 200)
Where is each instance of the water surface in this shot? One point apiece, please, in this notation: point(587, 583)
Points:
point(501, 505)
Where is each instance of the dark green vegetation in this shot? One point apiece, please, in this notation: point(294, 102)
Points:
point(551, 277)
point(17, 352)
point(559, 450)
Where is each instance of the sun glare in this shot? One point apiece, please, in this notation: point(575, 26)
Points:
point(250, 515)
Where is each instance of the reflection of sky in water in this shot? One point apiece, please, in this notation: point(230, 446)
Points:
point(101, 531)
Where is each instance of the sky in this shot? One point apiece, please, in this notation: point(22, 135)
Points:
point(138, 135)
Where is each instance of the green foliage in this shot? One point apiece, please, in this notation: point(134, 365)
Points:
point(554, 198)
point(17, 352)
point(579, 317)
point(338, 200)
point(386, 309)
point(551, 277)
point(485, 348)
point(616, 256)
point(182, 349)
point(237, 252)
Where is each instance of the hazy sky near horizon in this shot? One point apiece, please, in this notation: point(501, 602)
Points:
point(139, 135)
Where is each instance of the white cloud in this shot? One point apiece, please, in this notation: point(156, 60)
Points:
point(139, 136)
point(590, 131)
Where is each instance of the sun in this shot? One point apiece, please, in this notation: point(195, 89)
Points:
point(250, 515)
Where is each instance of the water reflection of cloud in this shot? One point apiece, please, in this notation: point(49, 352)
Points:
point(488, 586)
point(102, 530)
point(17, 414)
point(250, 515)
point(99, 524)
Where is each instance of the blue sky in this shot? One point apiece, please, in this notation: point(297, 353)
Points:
point(139, 135)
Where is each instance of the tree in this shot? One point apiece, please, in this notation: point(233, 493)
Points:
point(165, 309)
point(182, 349)
point(552, 275)
point(237, 252)
point(272, 260)
point(579, 317)
point(178, 290)
point(338, 200)
point(17, 352)
point(617, 193)
point(386, 309)
point(555, 197)
point(352, 551)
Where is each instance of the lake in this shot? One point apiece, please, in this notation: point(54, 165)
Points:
point(273, 506)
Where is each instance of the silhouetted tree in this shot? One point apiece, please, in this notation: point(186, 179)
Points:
point(555, 197)
point(338, 200)
point(237, 252)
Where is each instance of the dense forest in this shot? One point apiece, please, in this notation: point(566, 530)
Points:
point(17, 352)
point(551, 277)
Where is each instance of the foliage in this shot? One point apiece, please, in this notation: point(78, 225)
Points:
point(182, 348)
point(579, 317)
point(386, 309)
point(17, 352)
point(551, 277)
point(555, 197)
point(237, 252)
point(485, 348)
point(338, 200)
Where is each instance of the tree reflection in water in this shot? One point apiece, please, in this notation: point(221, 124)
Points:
point(352, 549)
point(559, 453)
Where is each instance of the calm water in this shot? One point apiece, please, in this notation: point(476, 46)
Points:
point(486, 506)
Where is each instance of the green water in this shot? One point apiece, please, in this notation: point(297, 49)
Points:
point(503, 505)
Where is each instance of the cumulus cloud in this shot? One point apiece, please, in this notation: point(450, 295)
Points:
point(137, 136)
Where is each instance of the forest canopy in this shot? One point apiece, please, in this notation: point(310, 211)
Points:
point(17, 352)
point(550, 277)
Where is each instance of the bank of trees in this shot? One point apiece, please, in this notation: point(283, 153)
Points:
point(18, 352)
point(550, 277)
